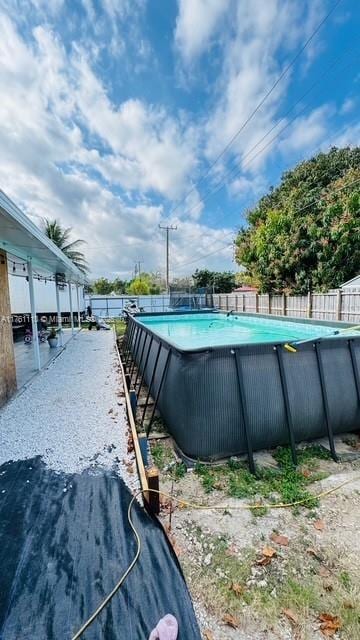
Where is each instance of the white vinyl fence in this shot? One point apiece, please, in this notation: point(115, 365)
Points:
point(112, 306)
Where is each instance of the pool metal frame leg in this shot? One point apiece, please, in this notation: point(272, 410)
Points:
point(151, 383)
point(125, 341)
point(244, 412)
point(325, 400)
point(158, 391)
point(145, 365)
point(355, 367)
point(129, 353)
point(140, 361)
point(135, 352)
point(285, 391)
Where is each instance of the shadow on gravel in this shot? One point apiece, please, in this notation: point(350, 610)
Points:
point(64, 542)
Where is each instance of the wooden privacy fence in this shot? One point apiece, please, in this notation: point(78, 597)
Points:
point(334, 305)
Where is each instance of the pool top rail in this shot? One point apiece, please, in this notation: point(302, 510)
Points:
point(296, 330)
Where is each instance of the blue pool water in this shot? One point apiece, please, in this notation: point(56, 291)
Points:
point(190, 331)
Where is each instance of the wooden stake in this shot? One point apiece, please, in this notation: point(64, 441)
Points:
point(152, 475)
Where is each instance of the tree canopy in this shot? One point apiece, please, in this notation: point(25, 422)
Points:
point(145, 284)
point(305, 234)
point(217, 281)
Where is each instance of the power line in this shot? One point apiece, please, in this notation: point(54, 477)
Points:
point(206, 255)
point(235, 171)
point(258, 106)
point(337, 133)
point(310, 204)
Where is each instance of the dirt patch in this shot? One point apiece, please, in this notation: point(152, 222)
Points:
point(281, 574)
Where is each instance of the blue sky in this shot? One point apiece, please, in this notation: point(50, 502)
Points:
point(112, 112)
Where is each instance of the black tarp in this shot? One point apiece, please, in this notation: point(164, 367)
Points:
point(64, 542)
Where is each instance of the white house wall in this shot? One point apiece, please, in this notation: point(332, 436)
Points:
point(44, 296)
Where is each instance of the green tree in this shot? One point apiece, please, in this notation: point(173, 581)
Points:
point(203, 278)
point(102, 286)
point(139, 287)
point(146, 284)
point(119, 286)
point(217, 281)
point(60, 236)
point(304, 235)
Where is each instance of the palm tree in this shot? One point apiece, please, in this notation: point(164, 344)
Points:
point(61, 238)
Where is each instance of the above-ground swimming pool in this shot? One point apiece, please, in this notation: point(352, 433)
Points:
point(228, 384)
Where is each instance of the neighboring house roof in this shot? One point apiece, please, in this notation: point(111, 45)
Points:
point(353, 283)
point(21, 237)
point(244, 288)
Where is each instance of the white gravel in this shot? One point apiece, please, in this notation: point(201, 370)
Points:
point(73, 413)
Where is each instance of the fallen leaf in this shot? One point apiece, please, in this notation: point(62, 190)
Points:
point(329, 624)
point(278, 539)
point(208, 635)
point(237, 588)
point(319, 525)
point(291, 616)
point(231, 551)
point(348, 605)
point(269, 552)
point(324, 572)
point(312, 552)
point(306, 473)
point(231, 621)
point(264, 561)
point(328, 585)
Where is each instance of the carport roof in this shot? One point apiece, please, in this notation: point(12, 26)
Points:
point(21, 237)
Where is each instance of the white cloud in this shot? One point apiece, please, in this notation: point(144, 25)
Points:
point(53, 113)
point(347, 106)
point(307, 131)
point(110, 167)
point(160, 152)
point(348, 137)
point(263, 39)
point(197, 22)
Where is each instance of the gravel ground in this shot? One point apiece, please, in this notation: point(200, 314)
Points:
point(73, 413)
point(322, 552)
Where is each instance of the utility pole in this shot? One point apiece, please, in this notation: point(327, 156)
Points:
point(137, 269)
point(167, 229)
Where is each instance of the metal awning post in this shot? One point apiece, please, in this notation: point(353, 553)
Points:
point(58, 311)
point(78, 307)
point(33, 317)
point(71, 309)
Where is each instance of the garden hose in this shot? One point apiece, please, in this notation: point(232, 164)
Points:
point(187, 503)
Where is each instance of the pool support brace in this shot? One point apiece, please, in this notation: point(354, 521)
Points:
point(148, 475)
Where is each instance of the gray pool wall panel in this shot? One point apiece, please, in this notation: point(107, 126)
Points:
point(202, 406)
